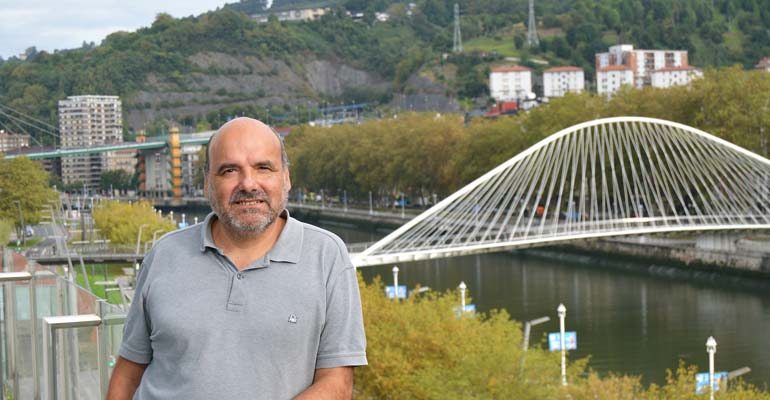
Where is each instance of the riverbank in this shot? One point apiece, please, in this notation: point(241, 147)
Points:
point(713, 252)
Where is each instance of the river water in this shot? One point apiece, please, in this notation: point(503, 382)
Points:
point(631, 317)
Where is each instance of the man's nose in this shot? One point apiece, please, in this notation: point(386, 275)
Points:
point(249, 180)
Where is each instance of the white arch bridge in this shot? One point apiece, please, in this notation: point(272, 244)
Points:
point(609, 177)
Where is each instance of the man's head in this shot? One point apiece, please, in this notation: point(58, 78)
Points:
point(246, 176)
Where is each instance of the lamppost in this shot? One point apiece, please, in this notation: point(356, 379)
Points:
point(462, 287)
point(395, 283)
point(562, 312)
point(21, 219)
point(136, 253)
point(527, 327)
point(711, 348)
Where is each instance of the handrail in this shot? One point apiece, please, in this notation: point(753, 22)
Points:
point(50, 325)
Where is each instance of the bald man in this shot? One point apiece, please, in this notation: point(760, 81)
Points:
point(248, 304)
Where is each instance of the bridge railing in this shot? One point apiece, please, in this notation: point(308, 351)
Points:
point(61, 340)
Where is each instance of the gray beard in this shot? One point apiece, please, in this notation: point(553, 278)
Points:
point(242, 229)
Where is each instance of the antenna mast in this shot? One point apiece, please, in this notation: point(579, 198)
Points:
point(532, 39)
point(457, 47)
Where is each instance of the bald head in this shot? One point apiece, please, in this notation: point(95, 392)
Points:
point(259, 130)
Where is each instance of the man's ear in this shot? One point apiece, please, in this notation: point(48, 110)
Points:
point(287, 179)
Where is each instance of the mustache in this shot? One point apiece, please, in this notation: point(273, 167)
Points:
point(249, 195)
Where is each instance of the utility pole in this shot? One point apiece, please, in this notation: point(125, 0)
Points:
point(457, 47)
point(532, 39)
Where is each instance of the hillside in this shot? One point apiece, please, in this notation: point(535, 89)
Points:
point(197, 71)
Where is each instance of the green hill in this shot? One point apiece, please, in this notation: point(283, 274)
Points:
point(199, 70)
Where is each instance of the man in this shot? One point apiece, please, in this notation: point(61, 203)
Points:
point(249, 304)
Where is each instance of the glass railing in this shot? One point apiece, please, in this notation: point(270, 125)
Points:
point(59, 341)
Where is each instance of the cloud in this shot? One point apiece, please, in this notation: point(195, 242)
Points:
point(65, 24)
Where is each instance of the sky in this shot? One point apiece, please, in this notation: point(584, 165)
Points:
point(65, 24)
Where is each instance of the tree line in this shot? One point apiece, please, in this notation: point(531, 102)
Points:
point(422, 154)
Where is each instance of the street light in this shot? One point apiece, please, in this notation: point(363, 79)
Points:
point(711, 348)
point(21, 219)
point(562, 312)
point(136, 253)
point(462, 295)
point(527, 327)
point(395, 283)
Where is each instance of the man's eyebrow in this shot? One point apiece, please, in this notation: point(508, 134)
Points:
point(225, 166)
point(265, 163)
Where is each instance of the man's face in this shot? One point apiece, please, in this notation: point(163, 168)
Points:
point(247, 185)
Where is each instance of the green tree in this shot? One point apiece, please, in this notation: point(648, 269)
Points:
point(120, 221)
point(24, 181)
point(115, 180)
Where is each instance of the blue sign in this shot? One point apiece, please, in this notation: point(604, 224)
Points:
point(702, 384)
point(469, 308)
point(182, 225)
point(554, 341)
point(391, 293)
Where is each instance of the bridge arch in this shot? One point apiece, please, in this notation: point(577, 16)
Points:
point(607, 177)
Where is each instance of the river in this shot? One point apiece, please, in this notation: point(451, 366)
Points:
point(631, 317)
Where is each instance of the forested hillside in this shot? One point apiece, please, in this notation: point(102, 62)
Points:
point(198, 70)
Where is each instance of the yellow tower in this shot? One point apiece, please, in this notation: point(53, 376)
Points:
point(176, 163)
point(141, 168)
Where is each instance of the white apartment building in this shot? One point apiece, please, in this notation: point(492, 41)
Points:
point(674, 76)
point(305, 14)
point(562, 80)
point(510, 83)
point(641, 62)
point(87, 121)
point(610, 78)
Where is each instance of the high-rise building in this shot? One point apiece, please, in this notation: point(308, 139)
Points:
point(87, 121)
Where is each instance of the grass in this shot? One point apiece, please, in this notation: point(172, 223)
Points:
point(504, 45)
point(103, 273)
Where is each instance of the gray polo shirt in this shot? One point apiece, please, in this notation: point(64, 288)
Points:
point(209, 331)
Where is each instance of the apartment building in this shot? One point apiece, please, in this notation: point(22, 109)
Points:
point(642, 63)
point(87, 121)
point(610, 78)
point(674, 76)
point(510, 83)
point(305, 14)
point(559, 81)
point(9, 141)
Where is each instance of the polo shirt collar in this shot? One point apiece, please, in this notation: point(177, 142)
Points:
point(286, 249)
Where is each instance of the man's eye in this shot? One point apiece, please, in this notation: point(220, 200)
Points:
point(228, 171)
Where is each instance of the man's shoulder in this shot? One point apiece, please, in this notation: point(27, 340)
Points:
point(317, 235)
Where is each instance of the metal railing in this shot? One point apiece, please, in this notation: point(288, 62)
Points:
point(58, 340)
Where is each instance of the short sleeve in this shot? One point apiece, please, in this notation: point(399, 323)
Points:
point(343, 341)
point(136, 345)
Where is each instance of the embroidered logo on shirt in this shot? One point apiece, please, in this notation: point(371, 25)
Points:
point(292, 319)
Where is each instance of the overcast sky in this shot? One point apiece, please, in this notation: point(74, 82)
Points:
point(65, 24)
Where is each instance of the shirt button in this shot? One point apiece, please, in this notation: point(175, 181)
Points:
point(239, 276)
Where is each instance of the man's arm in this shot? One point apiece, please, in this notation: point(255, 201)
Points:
point(329, 383)
point(125, 379)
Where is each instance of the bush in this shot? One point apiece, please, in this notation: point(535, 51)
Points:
point(421, 348)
